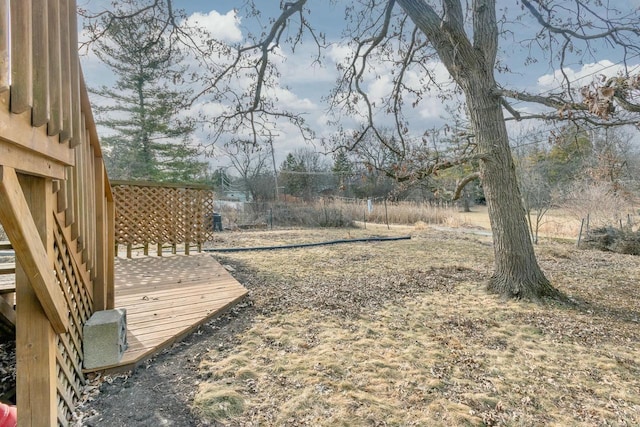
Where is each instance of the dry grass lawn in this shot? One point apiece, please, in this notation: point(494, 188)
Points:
point(403, 334)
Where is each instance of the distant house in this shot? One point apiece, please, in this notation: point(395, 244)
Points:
point(234, 196)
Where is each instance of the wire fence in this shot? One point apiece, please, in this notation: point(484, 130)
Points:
point(333, 212)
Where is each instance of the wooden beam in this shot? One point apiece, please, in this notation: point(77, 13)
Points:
point(19, 225)
point(30, 162)
point(17, 129)
point(35, 338)
point(115, 183)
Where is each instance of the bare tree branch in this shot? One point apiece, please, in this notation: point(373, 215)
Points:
point(272, 41)
point(434, 168)
point(516, 115)
point(450, 43)
point(553, 101)
point(463, 183)
point(565, 32)
point(584, 118)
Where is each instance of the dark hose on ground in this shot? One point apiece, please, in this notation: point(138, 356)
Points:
point(307, 245)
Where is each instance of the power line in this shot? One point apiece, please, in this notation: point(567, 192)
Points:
point(570, 82)
point(586, 75)
point(586, 128)
point(290, 172)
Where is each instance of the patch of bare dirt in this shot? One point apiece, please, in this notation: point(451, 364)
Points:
point(161, 391)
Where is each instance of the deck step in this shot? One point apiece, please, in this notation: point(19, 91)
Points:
point(9, 268)
point(7, 284)
point(7, 288)
point(5, 246)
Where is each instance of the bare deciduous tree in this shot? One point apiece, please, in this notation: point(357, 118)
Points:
point(405, 40)
point(252, 163)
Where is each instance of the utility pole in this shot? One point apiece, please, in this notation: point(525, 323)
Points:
point(275, 171)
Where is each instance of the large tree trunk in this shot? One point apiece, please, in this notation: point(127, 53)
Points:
point(471, 64)
point(517, 273)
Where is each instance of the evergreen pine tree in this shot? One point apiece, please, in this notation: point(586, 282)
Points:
point(147, 140)
point(293, 176)
point(342, 170)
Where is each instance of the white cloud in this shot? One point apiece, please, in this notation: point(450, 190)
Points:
point(209, 109)
point(581, 77)
point(432, 109)
point(380, 88)
point(300, 67)
point(338, 52)
point(288, 100)
point(221, 27)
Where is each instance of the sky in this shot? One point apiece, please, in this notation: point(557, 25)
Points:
point(307, 83)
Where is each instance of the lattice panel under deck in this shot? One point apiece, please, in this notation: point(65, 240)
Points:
point(70, 379)
point(164, 215)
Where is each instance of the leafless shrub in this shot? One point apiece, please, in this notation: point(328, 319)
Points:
point(614, 240)
point(629, 244)
point(406, 213)
point(334, 214)
point(311, 215)
point(597, 201)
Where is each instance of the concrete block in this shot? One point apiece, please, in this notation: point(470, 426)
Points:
point(105, 338)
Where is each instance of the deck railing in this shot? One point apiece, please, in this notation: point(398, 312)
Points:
point(56, 205)
point(163, 215)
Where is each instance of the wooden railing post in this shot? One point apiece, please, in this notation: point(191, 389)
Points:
point(100, 283)
point(4, 47)
point(21, 64)
point(35, 338)
point(111, 250)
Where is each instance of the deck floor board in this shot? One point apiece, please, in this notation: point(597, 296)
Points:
point(168, 297)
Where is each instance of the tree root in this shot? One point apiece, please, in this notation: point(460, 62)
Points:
point(537, 290)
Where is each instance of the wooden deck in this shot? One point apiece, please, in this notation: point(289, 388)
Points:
point(168, 297)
